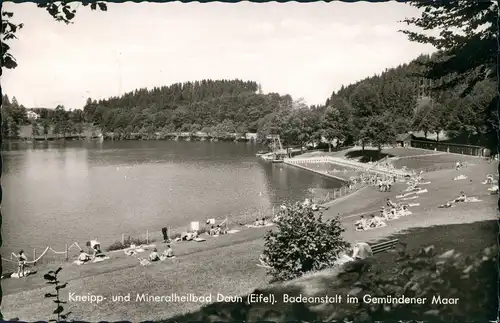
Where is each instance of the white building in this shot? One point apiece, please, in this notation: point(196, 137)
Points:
point(32, 115)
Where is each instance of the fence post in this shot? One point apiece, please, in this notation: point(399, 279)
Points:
point(67, 254)
point(123, 238)
point(147, 237)
point(34, 254)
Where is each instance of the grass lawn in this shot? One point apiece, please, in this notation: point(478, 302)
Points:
point(435, 162)
point(370, 153)
point(467, 239)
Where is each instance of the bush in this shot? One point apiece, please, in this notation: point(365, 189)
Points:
point(302, 243)
point(118, 245)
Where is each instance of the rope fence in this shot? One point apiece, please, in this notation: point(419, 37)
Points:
point(36, 259)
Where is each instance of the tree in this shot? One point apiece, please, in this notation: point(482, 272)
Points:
point(302, 243)
point(59, 10)
point(424, 119)
point(467, 48)
point(337, 121)
point(466, 41)
point(366, 104)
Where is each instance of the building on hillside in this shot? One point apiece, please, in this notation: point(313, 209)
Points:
point(32, 115)
point(404, 139)
point(251, 136)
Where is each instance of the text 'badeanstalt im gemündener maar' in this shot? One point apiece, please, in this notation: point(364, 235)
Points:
point(259, 298)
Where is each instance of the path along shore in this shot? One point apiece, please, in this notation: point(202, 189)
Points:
point(227, 264)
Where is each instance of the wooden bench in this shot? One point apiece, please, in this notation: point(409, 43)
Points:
point(384, 246)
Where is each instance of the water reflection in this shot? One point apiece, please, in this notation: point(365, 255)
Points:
point(59, 193)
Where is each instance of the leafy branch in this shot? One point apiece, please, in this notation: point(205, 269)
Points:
point(52, 279)
point(61, 11)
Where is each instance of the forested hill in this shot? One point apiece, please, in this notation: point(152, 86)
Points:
point(397, 100)
point(207, 105)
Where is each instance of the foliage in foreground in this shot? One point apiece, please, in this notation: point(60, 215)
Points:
point(52, 279)
point(415, 274)
point(304, 242)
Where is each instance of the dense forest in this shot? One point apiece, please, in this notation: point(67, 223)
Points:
point(371, 111)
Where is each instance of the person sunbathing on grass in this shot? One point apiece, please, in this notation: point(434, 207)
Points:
point(212, 231)
point(489, 179)
point(153, 256)
point(375, 222)
point(188, 236)
point(384, 214)
point(361, 224)
point(462, 197)
point(447, 205)
point(168, 253)
point(219, 230)
point(257, 223)
point(390, 203)
point(84, 257)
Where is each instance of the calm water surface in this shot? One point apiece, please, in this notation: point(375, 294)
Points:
point(57, 193)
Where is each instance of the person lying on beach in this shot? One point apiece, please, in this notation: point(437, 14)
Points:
point(153, 256)
point(168, 253)
point(212, 231)
point(84, 257)
point(21, 263)
point(218, 231)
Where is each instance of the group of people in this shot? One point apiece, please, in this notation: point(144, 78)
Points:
point(216, 231)
point(371, 223)
point(167, 253)
point(96, 253)
point(390, 211)
point(384, 186)
point(260, 223)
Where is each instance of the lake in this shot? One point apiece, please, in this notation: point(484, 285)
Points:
point(57, 193)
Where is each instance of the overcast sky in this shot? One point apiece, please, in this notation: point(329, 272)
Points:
point(306, 50)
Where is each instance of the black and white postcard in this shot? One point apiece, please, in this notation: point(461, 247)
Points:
point(222, 162)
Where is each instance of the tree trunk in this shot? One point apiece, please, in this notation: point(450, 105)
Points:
point(437, 136)
point(425, 134)
point(363, 148)
point(329, 147)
